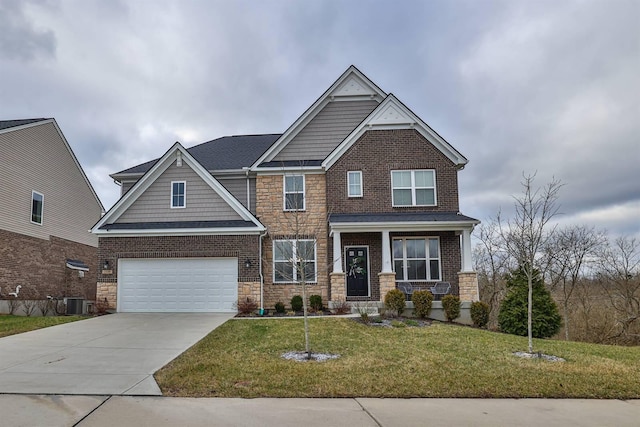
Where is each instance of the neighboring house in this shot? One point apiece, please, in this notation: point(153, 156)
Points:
point(48, 207)
point(359, 189)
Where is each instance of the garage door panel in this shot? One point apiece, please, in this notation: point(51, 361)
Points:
point(178, 285)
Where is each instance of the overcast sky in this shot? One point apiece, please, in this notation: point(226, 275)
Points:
point(551, 87)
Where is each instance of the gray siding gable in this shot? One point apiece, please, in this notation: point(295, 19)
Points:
point(36, 157)
point(326, 130)
point(202, 202)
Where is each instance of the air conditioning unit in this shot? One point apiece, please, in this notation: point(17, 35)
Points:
point(74, 305)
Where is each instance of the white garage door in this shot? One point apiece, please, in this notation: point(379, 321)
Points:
point(178, 285)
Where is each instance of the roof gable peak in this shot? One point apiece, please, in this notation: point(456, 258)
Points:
point(177, 153)
point(352, 85)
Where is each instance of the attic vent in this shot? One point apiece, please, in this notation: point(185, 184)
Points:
point(179, 161)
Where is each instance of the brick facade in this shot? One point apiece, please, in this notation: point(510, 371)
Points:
point(310, 223)
point(376, 154)
point(39, 266)
point(242, 247)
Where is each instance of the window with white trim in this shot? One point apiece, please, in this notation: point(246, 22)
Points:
point(293, 192)
point(413, 187)
point(354, 184)
point(37, 207)
point(417, 258)
point(294, 260)
point(178, 194)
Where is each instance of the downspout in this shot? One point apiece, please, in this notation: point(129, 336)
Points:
point(248, 190)
point(260, 271)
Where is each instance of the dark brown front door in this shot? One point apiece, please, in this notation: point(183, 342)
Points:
point(357, 269)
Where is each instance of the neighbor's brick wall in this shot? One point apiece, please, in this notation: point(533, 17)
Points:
point(311, 223)
point(114, 248)
point(376, 154)
point(39, 266)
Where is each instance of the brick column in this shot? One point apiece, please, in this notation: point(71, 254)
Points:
point(468, 283)
point(338, 286)
point(387, 283)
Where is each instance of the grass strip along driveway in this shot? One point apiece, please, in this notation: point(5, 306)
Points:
point(11, 325)
point(242, 359)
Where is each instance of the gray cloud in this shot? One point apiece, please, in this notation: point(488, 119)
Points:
point(514, 85)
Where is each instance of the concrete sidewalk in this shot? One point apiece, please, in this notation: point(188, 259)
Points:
point(107, 355)
point(97, 411)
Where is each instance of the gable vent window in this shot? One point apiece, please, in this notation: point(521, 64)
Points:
point(37, 205)
point(178, 194)
point(294, 192)
point(413, 188)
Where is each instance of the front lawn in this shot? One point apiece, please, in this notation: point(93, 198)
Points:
point(242, 359)
point(10, 325)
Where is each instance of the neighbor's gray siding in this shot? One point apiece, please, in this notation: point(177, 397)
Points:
point(36, 158)
point(327, 130)
point(238, 187)
point(202, 204)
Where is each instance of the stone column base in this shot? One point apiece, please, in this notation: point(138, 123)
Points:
point(338, 286)
point(468, 283)
point(107, 292)
point(387, 283)
point(249, 290)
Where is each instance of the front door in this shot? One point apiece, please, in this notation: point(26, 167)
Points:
point(357, 269)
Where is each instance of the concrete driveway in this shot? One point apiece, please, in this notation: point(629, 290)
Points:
point(108, 355)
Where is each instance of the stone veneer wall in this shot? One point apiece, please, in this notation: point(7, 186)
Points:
point(39, 266)
point(311, 223)
point(242, 247)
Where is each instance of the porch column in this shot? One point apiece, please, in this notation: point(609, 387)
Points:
point(467, 265)
point(337, 252)
point(386, 252)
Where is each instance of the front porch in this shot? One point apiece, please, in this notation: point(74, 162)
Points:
point(375, 253)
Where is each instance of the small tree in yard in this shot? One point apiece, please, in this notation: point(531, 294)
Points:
point(525, 235)
point(513, 316)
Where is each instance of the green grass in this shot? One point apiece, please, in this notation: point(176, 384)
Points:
point(242, 359)
point(10, 325)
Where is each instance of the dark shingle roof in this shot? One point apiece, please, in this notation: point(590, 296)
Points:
point(176, 225)
point(400, 216)
point(226, 153)
point(6, 124)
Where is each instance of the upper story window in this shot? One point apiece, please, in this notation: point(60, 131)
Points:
point(417, 258)
point(294, 260)
point(413, 188)
point(294, 193)
point(354, 184)
point(37, 205)
point(178, 194)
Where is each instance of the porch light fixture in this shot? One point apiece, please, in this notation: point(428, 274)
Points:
point(247, 263)
point(105, 266)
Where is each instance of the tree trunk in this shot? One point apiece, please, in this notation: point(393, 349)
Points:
point(530, 314)
point(566, 320)
point(307, 344)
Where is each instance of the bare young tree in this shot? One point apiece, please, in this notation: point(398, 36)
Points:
point(567, 253)
point(525, 235)
point(619, 271)
point(294, 235)
point(492, 265)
